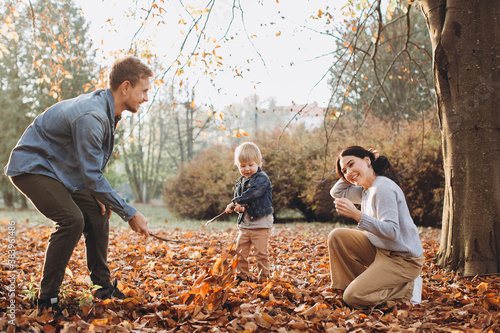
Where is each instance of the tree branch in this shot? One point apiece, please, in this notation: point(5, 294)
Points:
point(249, 39)
point(379, 30)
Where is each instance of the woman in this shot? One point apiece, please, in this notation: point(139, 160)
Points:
point(382, 258)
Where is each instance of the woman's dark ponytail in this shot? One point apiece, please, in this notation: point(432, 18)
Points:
point(383, 167)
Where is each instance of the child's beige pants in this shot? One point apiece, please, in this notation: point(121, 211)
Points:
point(259, 239)
point(368, 275)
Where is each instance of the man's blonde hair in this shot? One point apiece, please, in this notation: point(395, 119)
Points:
point(247, 152)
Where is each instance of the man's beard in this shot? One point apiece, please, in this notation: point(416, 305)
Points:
point(130, 108)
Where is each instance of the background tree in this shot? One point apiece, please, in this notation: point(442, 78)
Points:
point(13, 108)
point(141, 153)
point(63, 59)
point(45, 57)
point(393, 77)
point(11, 96)
point(141, 144)
point(189, 126)
point(161, 140)
point(466, 58)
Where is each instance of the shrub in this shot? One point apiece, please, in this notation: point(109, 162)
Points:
point(301, 166)
point(289, 156)
point(203, 188)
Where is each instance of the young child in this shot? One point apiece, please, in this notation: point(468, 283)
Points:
point(253, 202)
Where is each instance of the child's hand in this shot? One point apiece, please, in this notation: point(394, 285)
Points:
point(239, 209)
point(229, 208)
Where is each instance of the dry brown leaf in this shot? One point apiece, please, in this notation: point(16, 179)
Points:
point(173, 290)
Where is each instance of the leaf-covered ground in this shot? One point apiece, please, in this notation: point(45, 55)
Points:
point(189, 287)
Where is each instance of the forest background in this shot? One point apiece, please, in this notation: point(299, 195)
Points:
point(179, 150)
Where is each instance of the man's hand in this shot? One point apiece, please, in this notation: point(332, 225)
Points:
point(103, 209)
point(346, 207)
point(139, 224)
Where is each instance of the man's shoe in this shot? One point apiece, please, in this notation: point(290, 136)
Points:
point(50, 304)
point(108, 292)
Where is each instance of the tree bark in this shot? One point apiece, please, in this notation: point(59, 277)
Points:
point(24, 202)
point(8, 199)
point(466, 55)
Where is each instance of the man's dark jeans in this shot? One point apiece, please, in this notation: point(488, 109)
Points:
point(72, 214)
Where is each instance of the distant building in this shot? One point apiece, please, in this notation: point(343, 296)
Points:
point(311, 115)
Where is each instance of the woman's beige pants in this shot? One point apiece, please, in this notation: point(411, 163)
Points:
point(368, 275)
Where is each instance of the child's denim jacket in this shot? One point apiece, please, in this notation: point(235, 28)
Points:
point(255, 195)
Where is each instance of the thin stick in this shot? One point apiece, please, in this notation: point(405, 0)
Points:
point(182, 242)
point(215, 218)
point(171, 240)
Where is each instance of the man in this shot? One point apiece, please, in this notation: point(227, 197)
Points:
point(58, 165)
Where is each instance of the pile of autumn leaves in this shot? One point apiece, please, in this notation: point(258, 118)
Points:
point(189, 286)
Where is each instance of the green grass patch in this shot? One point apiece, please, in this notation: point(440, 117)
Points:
point(159, 217)
point(24, 216)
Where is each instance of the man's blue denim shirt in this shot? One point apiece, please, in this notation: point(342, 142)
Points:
point(72, 142)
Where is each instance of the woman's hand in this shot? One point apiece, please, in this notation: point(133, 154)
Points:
point(346, 208)
point(376, 155)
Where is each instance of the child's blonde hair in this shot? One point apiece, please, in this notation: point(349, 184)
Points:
point(247, 152)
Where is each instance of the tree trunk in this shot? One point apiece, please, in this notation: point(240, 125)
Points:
point(466, 53)
point(24, 202)
point(8, 199)
point(189, 131)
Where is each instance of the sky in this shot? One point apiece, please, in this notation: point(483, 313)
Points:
point(281, 54)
